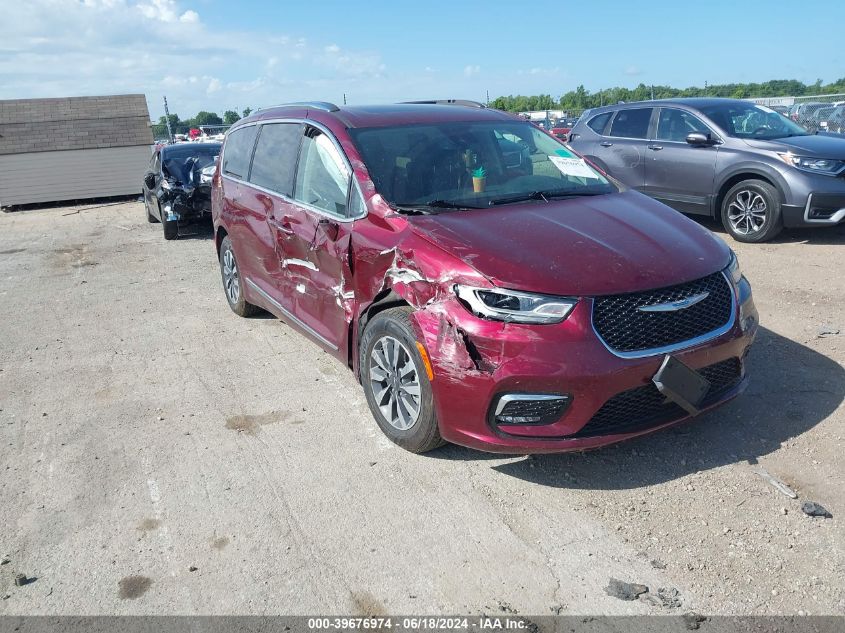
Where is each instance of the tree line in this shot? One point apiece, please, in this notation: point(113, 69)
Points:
point(581, 99)
point(573, 101)
point(179, 126)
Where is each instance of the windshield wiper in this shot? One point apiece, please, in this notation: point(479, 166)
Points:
point(446, 204)
point(412, 210)
point(545, 195)
point(428, 208)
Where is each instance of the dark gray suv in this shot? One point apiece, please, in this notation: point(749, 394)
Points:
point(727, 158)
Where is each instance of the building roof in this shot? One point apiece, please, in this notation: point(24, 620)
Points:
point(45, 125)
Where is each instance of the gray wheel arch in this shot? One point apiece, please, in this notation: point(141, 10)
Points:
point(747, 171)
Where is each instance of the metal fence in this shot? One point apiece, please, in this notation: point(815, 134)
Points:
point(821, 113)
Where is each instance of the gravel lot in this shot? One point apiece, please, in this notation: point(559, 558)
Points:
point(161, 455)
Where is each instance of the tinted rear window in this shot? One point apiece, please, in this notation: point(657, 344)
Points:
point(238, 151)
point(275, 157)
point(631, 123)
point(599, 122)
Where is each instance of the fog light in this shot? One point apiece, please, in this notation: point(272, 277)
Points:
point(530, 408)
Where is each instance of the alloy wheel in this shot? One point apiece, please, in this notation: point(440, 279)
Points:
point(395, 383)
point(231, 278)
point(747, 212)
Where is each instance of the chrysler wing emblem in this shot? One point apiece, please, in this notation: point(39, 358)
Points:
point(673, 306)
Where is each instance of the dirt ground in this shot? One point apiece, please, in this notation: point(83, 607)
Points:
point(161, 455)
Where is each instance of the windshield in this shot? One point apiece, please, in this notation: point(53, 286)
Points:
point(472, 164)
point(746, 120)
point(182, 165)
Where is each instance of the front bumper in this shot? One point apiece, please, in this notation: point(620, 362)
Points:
point(813, 199)
point(821, 209)
point(184, 204)
point(475, 361)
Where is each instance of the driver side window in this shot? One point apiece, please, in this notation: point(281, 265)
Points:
point(676, 125)
point(322, 178)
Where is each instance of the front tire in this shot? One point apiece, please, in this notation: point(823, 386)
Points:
point(150, 217)
point(171, 229)
point(232, 282)
point(751, 211)
point(396, 384)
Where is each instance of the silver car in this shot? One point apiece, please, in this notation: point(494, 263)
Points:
point(725, 158)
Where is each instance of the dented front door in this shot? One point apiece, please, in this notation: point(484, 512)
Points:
point(313, 233)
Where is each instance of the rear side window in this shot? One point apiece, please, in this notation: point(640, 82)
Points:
point(274, 162)
point(322, 178)
point(631, 123)
point(238, 151)
point(599, 122)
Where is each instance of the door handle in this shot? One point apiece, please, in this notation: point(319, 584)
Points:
point(605, 143)
point(656, 148)
point(283, 226)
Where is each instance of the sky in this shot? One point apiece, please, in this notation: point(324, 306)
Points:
point(216, 56)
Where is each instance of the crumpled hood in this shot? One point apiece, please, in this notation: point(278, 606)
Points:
point(606, 244)
point(815, 145)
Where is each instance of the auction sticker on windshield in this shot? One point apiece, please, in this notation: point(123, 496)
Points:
point(573, 167)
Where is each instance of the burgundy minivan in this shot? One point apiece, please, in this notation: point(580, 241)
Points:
point(487, 286)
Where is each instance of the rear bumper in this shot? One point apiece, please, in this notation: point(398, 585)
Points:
point(566, 359)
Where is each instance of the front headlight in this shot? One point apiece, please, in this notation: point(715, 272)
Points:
point(828, 166)
point(733, 269)
point(514, 306)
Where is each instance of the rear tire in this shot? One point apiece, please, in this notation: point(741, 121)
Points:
point(396, 384)
point(751, 211)
point(232, 281)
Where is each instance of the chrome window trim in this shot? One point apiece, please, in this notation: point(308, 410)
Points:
point(517, 397)
point(290, 317)
point(836, 218)
point(668, 349)
point(290, 200)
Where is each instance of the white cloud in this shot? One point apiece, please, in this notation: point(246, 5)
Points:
point(58, 48)
point(164, 10)
point(632, 71)
point(189, 17)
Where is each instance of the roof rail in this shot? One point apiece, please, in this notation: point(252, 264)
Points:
point(316, 105)
point(459, 102)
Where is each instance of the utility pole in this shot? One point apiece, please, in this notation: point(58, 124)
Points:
point(167, 119)
point(487, 103)
point(652, 92)
point(344, 98)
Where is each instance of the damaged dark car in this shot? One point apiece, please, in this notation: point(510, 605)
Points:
point(177, 185)
point(486, 285)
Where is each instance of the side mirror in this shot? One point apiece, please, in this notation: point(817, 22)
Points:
point(698, 138)
point(150, 181)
